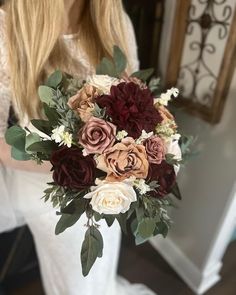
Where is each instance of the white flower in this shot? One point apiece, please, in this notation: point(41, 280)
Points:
point(121, 135)
point(142, 186)
point(143, 136)
point(102, 82)
point(173, 148)
point(111, 198)
point(59, 135)
point(166, 97)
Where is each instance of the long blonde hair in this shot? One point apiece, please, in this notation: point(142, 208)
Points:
point(35, 47)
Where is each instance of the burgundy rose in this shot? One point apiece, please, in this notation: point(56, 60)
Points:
point(131, 108)
point(71, 169)
point(155, 149)
point(165, 175)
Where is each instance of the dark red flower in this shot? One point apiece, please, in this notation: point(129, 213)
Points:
point(71, 169)
point(131, 108)
point(165, 175)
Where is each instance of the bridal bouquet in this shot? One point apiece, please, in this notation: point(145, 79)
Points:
point(115, 151)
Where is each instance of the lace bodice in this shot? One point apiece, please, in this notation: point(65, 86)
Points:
point(85, 69)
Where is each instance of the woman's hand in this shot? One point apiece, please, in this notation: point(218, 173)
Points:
point(30, 166)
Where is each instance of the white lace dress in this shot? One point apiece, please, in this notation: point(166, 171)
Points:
point(20, 203)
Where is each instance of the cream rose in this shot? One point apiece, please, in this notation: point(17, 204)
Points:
point(111, 198)
point(102, 83)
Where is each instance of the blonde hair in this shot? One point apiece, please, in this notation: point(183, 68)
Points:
point(35, 47)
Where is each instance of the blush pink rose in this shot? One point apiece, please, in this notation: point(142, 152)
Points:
point(97, 136)
point(155, 149)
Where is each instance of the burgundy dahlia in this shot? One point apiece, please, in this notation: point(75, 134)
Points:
point(131, 108)
point(71, 169)
point(165, 175)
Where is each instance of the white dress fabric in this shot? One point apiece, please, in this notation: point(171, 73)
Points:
point(21, 203)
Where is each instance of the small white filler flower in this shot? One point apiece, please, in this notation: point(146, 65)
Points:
point(142, 186)
point(59, 135)
point(121, 135)
point(166, 97)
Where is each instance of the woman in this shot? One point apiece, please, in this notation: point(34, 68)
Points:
point(35, 38)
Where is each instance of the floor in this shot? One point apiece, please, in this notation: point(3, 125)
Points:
point(144, 265)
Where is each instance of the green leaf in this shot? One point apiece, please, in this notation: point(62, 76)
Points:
point(122, 219)
point(55, 79)
point(46, 94)
point(176, 192)
point(30, 139)
point(109, 219)
point(143, 75)
point(15, 136)
point(106, 67)
point(161, 229)
point(76, 206)
point(45, 146)
point(19, 155)
point(92, 248)
point(140, 240)
point(65, 221)
point(42, 125)
point(51, 114)
point(119, 60)
point(146, 227)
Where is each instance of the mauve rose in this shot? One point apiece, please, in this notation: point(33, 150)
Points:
point(155, 148)
point(71, 169)
point(97, 135)
point(165, 175)
point(123, 160)
point(83, 101)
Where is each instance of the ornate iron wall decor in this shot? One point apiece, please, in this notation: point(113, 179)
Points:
point(203, 64)
point(147, 17)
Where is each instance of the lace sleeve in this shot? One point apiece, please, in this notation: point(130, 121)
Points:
point(132, 45)
point(5, 92)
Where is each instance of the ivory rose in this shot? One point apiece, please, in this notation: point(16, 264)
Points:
point(155, 149)
point(123, 160)
point(102, 83)
point(83, 101)
point(97, 136)
point(111, 198)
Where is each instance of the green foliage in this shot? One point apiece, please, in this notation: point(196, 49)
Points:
point(115, 67)
point(155, 86)
point(171, 160)
point(143, 75)
point(65, 221)
point(46, 94)
point(146, 227)
point(176, 191)
point(51, 114)
point(92, 248)
point(42, 125)
point(186, 142)
point(31, 139)
point(15, 136)
point(99, 112)
point(45, 147)
point(19, 155)
point(161, 229)
point(55, 79)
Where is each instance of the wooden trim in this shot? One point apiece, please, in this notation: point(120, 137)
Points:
point(177, 41)
point(225, 74)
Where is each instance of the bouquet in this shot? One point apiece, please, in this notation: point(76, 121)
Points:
point(115, 151)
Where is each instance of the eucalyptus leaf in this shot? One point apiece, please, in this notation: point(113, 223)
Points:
point(140, 240)
point(76, 206)
point(55, 79)
point(92, 248)
point(109, 219)
point(107, 67)
point(119, 60)
point(176, 191)
point(122, 219)
point(15, 136)
point(19, 155)
point(146, 227)
point(143, 75)
point(30, 139)
point(46, 94)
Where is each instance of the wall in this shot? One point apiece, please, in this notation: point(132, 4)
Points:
point(204, 221)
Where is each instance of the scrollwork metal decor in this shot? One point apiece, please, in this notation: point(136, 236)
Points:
point(205, 67)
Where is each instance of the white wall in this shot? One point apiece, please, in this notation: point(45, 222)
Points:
point(203, 223)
